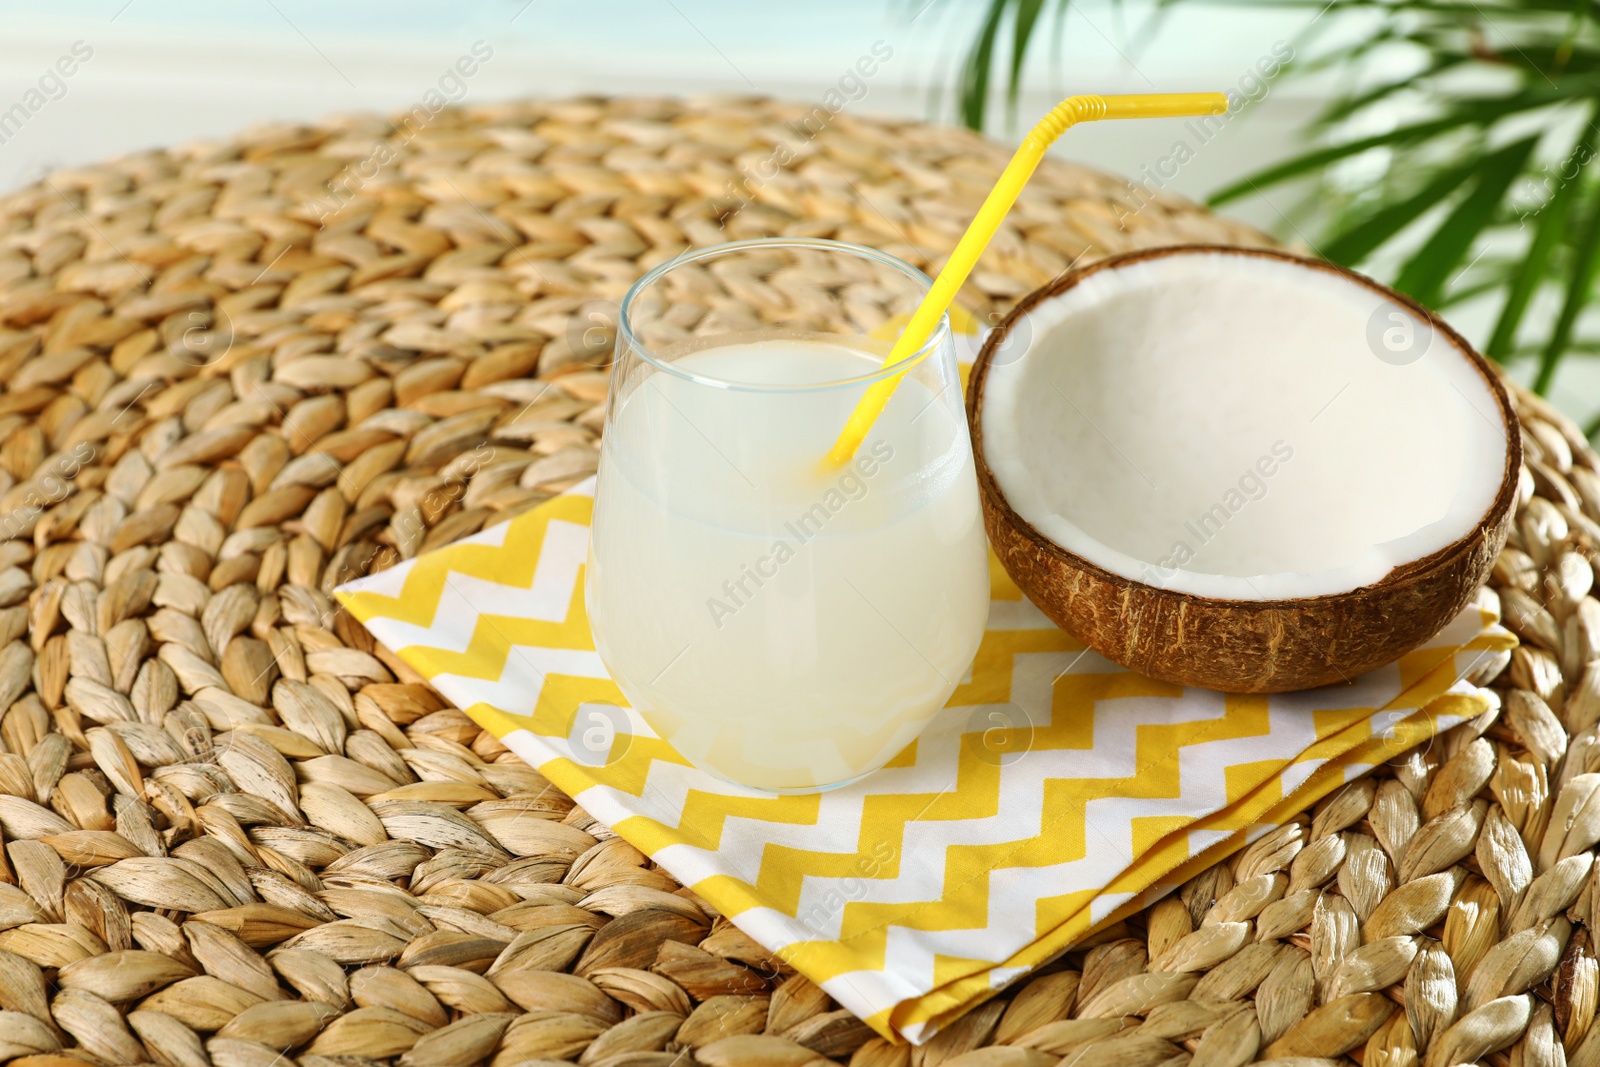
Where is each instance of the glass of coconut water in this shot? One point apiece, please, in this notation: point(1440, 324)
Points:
point(781, 626)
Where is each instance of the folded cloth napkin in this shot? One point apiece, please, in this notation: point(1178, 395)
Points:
point(1056, 793)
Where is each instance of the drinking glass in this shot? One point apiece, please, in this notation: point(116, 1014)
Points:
point(783, 626)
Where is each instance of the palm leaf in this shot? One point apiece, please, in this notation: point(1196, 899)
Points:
point(980, 62)
point(1474, 113)
point(1342, 109)
point(1426, 273)
point(978, 69)
point(1022, 27)
point(1587, 261)
point(1535, 266)
point(1490, 277)
point(1353, 245)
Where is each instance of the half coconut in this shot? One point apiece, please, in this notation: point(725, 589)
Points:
point(1240, 469)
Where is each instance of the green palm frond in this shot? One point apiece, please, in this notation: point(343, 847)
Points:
point(1503, 180)
point(978, 68)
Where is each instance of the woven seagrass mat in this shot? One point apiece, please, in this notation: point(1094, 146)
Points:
point(219, 403)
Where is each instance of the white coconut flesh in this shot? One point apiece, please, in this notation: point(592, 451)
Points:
point(1220, 425)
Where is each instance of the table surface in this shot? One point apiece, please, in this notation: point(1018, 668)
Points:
point(229, 390)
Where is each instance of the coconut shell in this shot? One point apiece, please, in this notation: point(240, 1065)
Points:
point(1243, 646)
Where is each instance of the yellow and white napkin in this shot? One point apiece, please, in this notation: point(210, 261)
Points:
point(1055, 793)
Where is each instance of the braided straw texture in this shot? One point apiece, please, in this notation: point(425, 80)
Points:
point(236, 831)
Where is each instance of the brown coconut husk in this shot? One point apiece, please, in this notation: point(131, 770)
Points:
point(1242, 646)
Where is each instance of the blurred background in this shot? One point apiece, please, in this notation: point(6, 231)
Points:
point(1445, 148)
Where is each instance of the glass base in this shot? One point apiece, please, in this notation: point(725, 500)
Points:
point(788, 791)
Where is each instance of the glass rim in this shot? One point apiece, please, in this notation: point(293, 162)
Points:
point(940, 335)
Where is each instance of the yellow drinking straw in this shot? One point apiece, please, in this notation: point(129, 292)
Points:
point(1069, 112)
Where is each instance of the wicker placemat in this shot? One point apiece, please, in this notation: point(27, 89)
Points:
point(234, 827)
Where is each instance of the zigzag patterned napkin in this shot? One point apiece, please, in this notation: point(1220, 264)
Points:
point(1055, 793)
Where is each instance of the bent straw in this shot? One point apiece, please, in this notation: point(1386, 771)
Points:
point(1068, 113)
